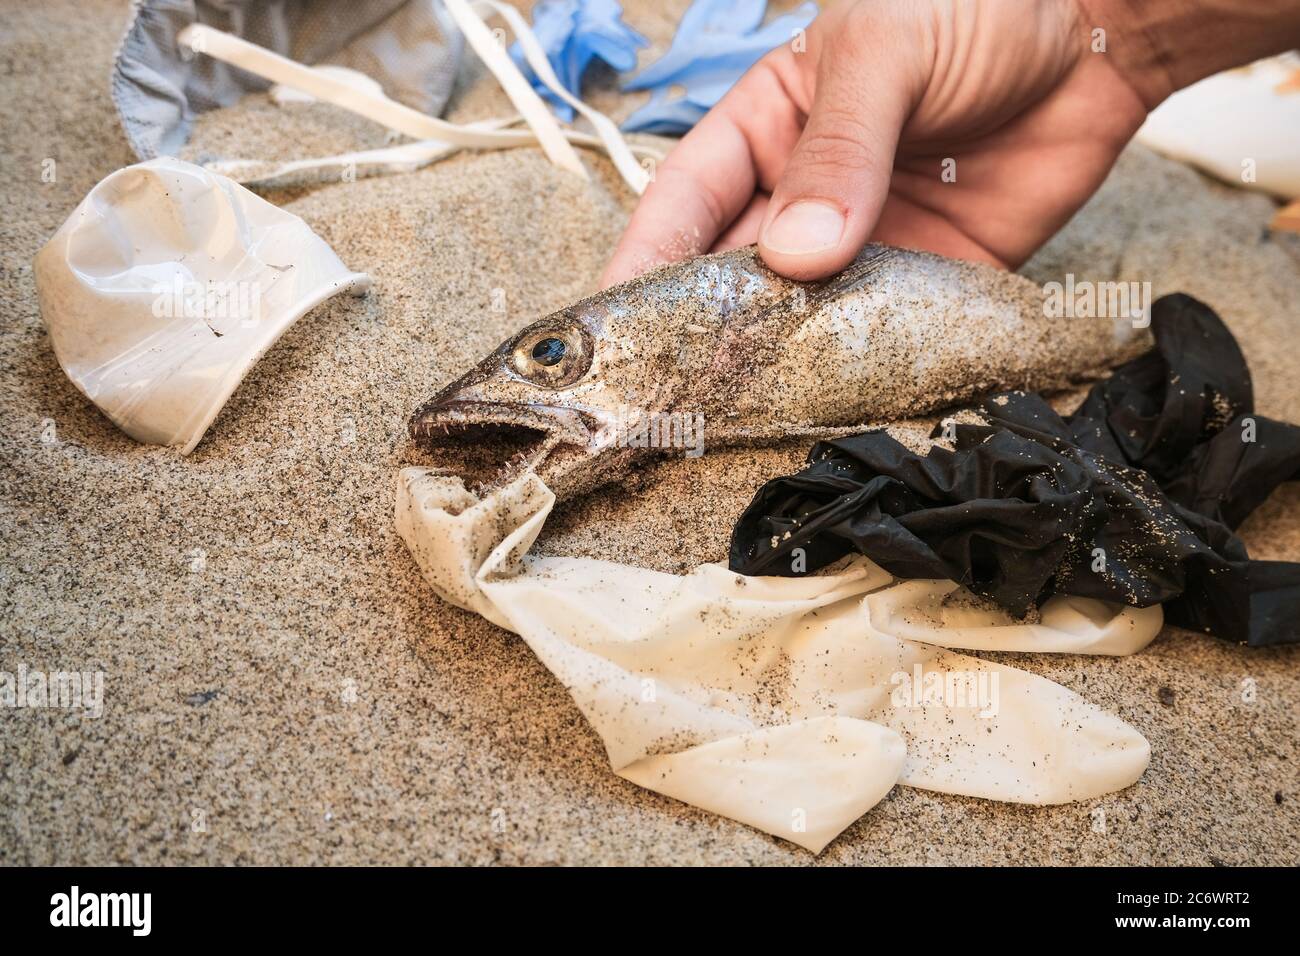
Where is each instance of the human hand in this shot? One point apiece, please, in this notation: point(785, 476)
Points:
point(973, 129)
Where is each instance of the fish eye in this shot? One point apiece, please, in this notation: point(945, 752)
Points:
point(548, 351)
point(552, 356)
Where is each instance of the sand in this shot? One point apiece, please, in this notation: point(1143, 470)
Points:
point(280, 684)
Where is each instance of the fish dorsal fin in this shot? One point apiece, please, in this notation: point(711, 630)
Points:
point(748, 336)
point(801, 299)
point(868, 263)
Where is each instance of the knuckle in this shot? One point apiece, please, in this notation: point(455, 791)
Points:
point(838, 143)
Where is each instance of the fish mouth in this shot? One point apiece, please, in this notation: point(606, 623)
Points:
point(490, 444)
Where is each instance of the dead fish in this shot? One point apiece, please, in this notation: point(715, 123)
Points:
point(756, 358)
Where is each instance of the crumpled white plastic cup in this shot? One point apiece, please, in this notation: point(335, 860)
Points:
point(167, 284)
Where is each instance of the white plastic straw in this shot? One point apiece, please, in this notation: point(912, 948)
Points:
point(619, 152)
point(437, 137)
point(535, 113)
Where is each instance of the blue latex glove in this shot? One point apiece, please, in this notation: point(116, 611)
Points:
point(716, 42)
point(574, 33)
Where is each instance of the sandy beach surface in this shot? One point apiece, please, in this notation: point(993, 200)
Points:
point(280, 684)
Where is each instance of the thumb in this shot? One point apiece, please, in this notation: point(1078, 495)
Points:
point(830, 194)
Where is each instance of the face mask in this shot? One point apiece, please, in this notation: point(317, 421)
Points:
point(410, 47)
point(167, 284)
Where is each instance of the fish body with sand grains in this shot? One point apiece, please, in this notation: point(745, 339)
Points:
point(720, 344)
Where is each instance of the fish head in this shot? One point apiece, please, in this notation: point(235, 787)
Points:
point(548, 400)
point(531, 403)
point(551, 398)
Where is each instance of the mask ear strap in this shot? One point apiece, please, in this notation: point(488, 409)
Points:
point(402, 158)
point(381, 109)
point(535, 113)
point(271, 66)
point(633, 173)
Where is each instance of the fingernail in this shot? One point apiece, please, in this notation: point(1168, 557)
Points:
point(804, 227)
